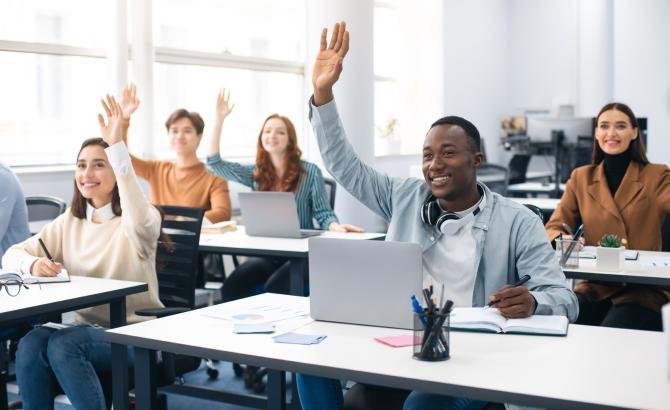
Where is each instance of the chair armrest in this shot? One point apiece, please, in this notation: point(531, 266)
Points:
point(161, 312)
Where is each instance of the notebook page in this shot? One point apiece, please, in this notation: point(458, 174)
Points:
point(477, 319)
point(540, 324)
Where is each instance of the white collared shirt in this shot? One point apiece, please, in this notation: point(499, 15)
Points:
point(102, 214)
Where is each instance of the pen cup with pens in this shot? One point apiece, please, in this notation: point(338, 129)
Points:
point(567, 251)
point(432, 331)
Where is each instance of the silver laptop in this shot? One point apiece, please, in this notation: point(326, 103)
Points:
point(272, 214)
point(364, 282)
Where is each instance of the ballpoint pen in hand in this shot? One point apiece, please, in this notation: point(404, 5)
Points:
point(521, 281)
point(46, 251)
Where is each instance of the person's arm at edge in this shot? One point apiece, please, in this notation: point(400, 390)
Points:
point(535, 257)
point(219, 198)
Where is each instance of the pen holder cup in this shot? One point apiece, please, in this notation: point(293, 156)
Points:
point(431, 336)
point(567, 252)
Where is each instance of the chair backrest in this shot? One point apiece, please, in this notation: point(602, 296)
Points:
point(537, 211)
point(665, 235)
point(331, 188)
point(518, 166)
point(490, 172)
point(177, 255)
point(44, 208)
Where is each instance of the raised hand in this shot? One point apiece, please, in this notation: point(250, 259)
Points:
point(111, 132)
point(223, 107)
point(129, 101)
point(328, 64)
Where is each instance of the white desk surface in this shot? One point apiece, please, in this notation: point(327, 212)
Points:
point(634, 271)
point(538, 187)
point(240, 240)
point(547, 204)
point(80, 289)
point(592, 366)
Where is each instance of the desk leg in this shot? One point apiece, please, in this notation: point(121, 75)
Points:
point(145, 379)
point(276, 390)
point(298, 270)
point(117, 317)
point(4, 365)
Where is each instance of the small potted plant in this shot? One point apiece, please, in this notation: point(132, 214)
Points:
point(610, 253)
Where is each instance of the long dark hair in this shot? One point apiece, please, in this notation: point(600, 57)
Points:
point(78, 205)
point(636, 146)
point(266, 174)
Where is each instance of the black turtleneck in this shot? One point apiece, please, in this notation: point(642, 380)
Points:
point(615, 168)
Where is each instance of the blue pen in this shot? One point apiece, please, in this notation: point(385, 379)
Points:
point(416, 306)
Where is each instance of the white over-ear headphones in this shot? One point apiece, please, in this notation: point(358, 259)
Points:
point(447, 222)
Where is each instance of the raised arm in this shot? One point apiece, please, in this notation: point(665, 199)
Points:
point(328, 64)
point(223, 108)
point(140, 220)
point(372, 188)
point(129, 104)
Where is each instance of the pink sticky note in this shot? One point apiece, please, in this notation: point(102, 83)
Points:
point(399, 341)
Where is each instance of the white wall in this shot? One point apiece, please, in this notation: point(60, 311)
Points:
point(542, 53)
point(475, 65)
point(642, 67)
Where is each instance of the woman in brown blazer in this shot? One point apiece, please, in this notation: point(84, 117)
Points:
point(619, 193)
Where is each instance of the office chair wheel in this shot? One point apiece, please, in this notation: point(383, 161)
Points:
point(238, 370)
point(258, 386)
point(250, 376)
point(212, 373)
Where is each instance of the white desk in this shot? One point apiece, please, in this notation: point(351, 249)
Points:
point(591, 367)
point(547, 205)
point(634, 271)
point(534, 188)
point(80, 292)
point(296, 250)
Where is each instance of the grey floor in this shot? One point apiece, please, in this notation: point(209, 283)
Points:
point(226, 380)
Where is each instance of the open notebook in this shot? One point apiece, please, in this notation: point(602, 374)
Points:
point(63, 276)
point(490, 320)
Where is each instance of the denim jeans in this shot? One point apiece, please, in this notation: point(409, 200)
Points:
point(319, 393)
point(70, 357)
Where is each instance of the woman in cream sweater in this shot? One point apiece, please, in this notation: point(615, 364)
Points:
point(110, 231)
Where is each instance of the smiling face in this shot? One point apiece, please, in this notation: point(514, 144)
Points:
point(614, 132)
point(274, 136)
point(449, 162)
point(184, 139)
point(94, 176)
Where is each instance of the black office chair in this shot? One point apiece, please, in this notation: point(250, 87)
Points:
point(331, 190)
point(518, 166)
point(665, 235)
point(44, 208)
point(500, 182)
point(536, 210)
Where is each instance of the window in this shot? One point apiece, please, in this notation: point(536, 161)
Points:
point(408, 93)
point(52, 55)
point(223, 27)
point(256, 94)
point(260, 63)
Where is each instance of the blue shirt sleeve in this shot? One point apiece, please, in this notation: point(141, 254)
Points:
point(232, 171)
point(369, 186)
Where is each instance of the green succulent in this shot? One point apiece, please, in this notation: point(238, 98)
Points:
point(610, 241)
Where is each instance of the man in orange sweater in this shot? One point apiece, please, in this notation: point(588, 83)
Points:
point(184, 181)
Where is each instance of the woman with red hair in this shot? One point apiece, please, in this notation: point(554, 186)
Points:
point(278, 167)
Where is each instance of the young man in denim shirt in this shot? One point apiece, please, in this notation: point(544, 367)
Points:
point(474, 241)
